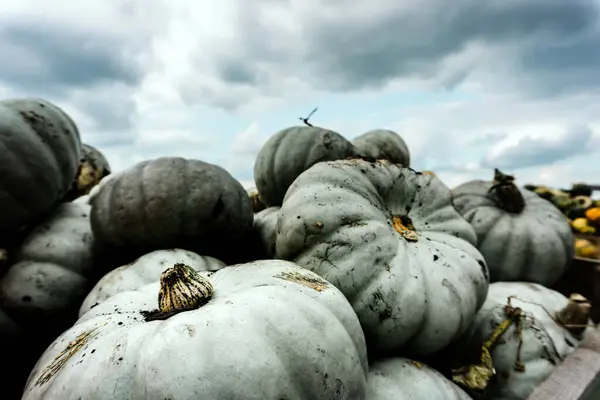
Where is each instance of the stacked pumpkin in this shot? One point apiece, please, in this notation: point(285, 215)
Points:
point(344, 275)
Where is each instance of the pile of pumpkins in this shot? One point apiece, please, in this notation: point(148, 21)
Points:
point(583, 213)
point(345, 274)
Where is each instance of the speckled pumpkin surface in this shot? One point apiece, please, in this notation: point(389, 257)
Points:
point(391, 241)
point(267, 330)
point(531, 347)
point(53, 271)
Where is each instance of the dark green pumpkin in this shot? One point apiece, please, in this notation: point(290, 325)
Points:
point(39, 148)
point(383, 144)
point(292, 151)
point(171, 202)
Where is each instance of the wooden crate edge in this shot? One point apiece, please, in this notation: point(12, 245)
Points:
point(576, 376)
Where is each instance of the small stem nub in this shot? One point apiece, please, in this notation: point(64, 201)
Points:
point(508, 194)
point(575, 316)
point(181, 289)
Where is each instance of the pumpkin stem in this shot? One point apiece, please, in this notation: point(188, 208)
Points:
point(404, 226)
point(507, 193)
point(575, 316)
point(181, 289)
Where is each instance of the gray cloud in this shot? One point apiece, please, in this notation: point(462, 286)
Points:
point(488, 139)
point(110, 113)
point(53, 59)
point(88, 71)
point(530, 152)
point(563, 65)
point(336, 51)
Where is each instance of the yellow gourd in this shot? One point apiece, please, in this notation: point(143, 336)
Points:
point(581, 225)
point(585, 248)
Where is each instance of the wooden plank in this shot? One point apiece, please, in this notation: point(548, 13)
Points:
point(577, 377)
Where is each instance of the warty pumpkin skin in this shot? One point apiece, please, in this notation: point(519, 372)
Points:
point(531, 243)
point(404, 379)
point(171, 202)
point(144, 270)
point(545, 342)
point(39, 149)
point(266, 330)
point(383, 144)
point(290, 152)
point(390, 240)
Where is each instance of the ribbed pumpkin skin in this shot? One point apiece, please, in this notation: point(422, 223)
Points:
point(292, 151)
point(383, 144)
point(171, 202)
point(267, 333)
point(39, 149)
point(534, 246)
point(414, 296)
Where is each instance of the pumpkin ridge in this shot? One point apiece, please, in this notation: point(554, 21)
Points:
point(182, 211)
point(33, 120)
point(268, 182)
point(19, 200)
point(141, 192)
point(528, 264)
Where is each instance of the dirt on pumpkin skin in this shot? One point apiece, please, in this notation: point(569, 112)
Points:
point(404, 226)
point(314, 283)
point(65, 355)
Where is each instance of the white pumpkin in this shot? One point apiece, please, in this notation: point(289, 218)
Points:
point(404, 379)
point(522, 236)
point(545, 341)
point(266, 330)
point(144, 270)
point(54, 270)
point(391, 241)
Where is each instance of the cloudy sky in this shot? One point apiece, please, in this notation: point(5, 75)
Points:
point(469, 84)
